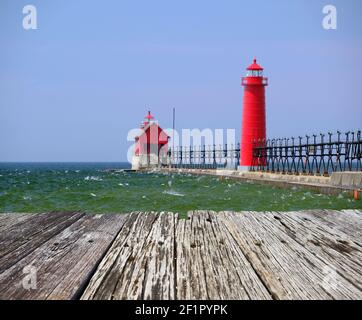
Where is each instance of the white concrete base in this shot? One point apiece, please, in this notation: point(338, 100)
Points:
point(347, 179)
point(144, 161)
point(135, 162)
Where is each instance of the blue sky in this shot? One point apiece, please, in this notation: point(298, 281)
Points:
point(73, 88)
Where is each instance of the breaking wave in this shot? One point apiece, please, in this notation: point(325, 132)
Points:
point(173, 193)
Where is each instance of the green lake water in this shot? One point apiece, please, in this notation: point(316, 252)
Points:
point(89, 187)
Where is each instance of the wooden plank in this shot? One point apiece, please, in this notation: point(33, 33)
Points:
point(197, 276)
point(9, 219)
point(289, 270)
point(344, 240)
point(19, 239)
point(249, 283)
point(327, 246)
point(183, 259)
point(210, 265)
point(145, 269)
point(65, 262)
point(233, 275)
point(159, 257)
point(227, 255)
point(345, 221)
point(332, 246)
point(149, 272)
point(124, 270)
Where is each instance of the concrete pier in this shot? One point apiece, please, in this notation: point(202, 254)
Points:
point(338, 182)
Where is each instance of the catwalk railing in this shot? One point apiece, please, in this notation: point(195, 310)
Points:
point(205, 157)
point(312, 155)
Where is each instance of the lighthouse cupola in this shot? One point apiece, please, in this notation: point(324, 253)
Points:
point(149, 118)
point(254, 117)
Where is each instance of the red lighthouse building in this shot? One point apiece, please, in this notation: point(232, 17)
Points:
point(151, 145)
point(254, 122)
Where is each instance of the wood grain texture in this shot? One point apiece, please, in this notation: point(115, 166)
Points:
point(140, 263)
point(288, 268)
point(340, 251)
point(32, 230)
point(210, 264)
point(64, 262)
point(312, 254)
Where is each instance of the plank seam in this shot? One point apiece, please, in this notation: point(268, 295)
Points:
point(108, 271)
point(175, 283)
point(272, 294)
point(82, 287)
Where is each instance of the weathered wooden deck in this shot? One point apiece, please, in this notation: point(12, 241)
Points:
point(246, 255)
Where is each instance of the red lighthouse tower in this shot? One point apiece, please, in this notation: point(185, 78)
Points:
point(253, 123)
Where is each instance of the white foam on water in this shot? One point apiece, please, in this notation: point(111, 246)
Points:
point(27, 198)
point(173, 193)
point(94, 178)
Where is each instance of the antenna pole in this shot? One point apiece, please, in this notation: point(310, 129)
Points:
point(173, 131)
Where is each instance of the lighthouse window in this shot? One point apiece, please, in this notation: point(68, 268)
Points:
point(254, 73)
